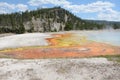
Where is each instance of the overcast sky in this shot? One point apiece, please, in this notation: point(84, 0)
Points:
point(85, 9)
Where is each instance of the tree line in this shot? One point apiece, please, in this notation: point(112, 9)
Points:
point(14, 22)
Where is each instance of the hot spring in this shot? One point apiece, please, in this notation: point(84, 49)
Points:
point(109, 37)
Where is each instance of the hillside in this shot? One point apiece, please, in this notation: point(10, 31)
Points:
point(44, 20)
point(106, 24)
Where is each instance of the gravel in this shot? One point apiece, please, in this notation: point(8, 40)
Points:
point(59, 69)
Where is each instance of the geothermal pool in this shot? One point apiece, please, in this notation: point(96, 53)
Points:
point(73, 44)
point(109, 37)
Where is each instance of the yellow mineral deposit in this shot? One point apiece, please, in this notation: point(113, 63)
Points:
point(64, 46)
point(83, 39)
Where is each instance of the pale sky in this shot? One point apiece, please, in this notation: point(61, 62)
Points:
point(85, 9)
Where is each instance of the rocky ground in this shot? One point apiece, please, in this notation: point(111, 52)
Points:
point(59, 69)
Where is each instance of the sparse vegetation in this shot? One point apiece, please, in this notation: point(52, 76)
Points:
point(111, 57)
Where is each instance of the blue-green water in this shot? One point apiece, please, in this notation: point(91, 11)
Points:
point(109, 37)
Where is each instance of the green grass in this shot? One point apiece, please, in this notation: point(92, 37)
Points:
point(111, 57)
